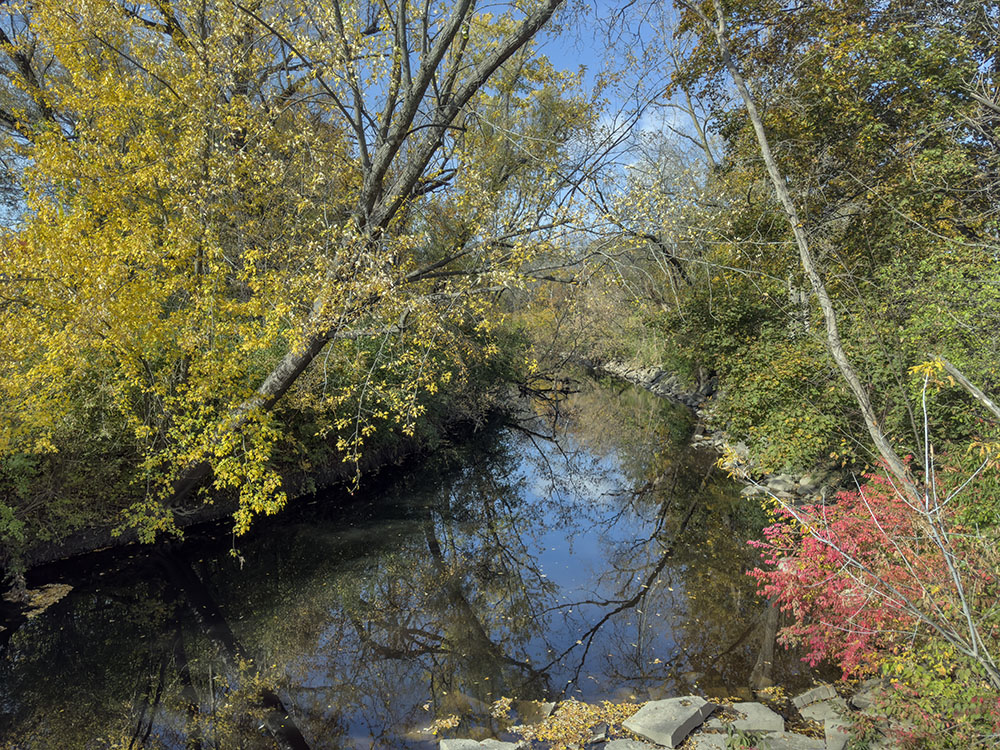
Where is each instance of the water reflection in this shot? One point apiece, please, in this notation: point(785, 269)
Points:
point(587, 554)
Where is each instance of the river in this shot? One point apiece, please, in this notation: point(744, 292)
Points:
point(594, 555)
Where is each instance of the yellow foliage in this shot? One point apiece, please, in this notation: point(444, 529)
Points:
point(572, 723)
point(196, 213)
point(932, 368)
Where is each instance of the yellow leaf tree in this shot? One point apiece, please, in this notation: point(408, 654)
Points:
point(220, 193)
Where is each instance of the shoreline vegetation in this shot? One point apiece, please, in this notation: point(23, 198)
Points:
point(396, 453)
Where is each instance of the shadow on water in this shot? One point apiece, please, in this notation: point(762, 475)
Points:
point(593, 556)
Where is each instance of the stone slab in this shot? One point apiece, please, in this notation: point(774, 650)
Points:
point(833, 709)
point(707, 742)
point(793, 741)
point(669, 721)
point(756, 718)
point(598, 735)
point(820, 693)
point(809, 482)
point(782, 483)
point(837, 734)
point(627, 745)
point(533, 712)
point(473, 745)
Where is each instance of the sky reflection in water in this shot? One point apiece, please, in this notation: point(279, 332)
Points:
point(598, 558)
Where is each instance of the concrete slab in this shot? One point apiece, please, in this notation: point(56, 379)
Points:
point(669, 721)
point(473, 745)
point(756, 717)
point(820, 693)
point(833, 709)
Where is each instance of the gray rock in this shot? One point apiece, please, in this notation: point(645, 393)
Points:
point(751, 490)
point(809, 482)
point(820, 693)
point(668, 722)
point(627, 745)
point(473, 745)
point(533, 712)
point(832, 709)
point(793, 741)
point(756, 718)
point(654, 380)
point(598, 735)
point(837, 734)
point(867, 692)
point(707, 742)
point(782, 483)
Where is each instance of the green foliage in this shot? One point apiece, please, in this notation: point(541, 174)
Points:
point(940, 700)
point(891, 164)
point(882, 119)
point(10, 527)
point(783, 396)
point(740, 739)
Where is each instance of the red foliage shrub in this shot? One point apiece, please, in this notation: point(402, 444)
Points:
point(863, 576)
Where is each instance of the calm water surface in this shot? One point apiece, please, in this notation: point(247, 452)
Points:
point(596, 557)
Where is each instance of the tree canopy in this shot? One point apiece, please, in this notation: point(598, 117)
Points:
point(219, 192)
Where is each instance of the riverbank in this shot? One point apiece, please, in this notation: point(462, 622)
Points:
point(816, 719)
point(805, 485)
point(393, 453)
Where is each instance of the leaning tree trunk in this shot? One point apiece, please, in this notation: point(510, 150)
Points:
point(833, 342)
point(392, 176)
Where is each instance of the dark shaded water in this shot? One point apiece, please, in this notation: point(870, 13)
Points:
point(601, 559)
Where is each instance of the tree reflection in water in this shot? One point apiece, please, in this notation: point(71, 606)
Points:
point(594, 555)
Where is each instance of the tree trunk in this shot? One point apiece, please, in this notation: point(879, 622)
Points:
point(892, 461)
point(379, 204)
